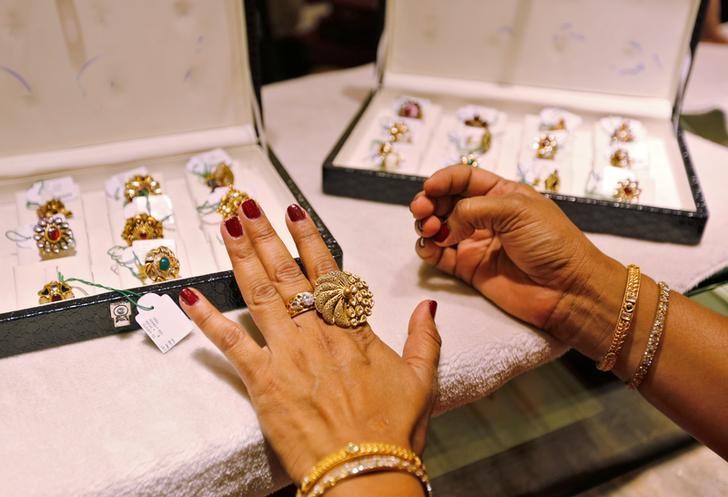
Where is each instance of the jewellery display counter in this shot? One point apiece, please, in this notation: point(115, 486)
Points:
point(579, 101)
point(127, 133)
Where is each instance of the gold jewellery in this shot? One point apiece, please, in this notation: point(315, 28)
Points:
point(221, 176)
point(229, 204)
point(547, 147)
point(141, 186)
point(53, 237)
point(624, 323)
point(358, 459)
point(653, 341)
point(468, 160)
point(399, 132)
point(142, 227)
point(620, 158)
point(300, 303)
point(55, 291)
point(160, 264)
point(560, 125)
point(390, 159)
point(552, 183)
point(53, 207)
point(343, 299)
point(410, 109)
point(623, 133)
point(627, 191)
point(487, 139)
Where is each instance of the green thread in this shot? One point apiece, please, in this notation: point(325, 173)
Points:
point(16, 237)
point(131, 296)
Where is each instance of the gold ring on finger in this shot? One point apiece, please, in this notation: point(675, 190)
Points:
point(300, 303)
point(343, 299)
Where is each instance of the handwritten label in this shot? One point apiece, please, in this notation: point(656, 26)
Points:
point(165, 323)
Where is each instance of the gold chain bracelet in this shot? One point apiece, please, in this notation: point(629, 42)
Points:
point(624, 323)
point(357, 451)
point(653, 342)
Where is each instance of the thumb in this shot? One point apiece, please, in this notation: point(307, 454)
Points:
point(481, 213)
point(422, 348)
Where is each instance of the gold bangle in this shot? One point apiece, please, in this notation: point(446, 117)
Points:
point(624, 323)
point(370, 464)
point(653, 342)
point(351, 452)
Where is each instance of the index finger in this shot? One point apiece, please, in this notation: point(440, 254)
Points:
point(466, 181)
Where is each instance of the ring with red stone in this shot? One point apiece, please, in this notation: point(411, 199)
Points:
point(627, 191)
point(55, 291)
point(54, 237)
point(142, 227)
point(410, 109)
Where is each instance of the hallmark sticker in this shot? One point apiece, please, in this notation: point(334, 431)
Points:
point(120, 313)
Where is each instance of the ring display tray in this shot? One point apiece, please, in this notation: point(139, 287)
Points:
point(580, 101)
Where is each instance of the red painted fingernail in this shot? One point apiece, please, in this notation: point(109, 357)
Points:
point(295, 213)
point(433, 308)
point(233, 227)
point(442, 234)
point(250, 209)
point(188, 296)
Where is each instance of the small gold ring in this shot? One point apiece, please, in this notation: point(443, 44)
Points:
point(141, 186)
point(343, 299)
point(221, 176)
point(142, 227)
point(229, 204)
point(620, 158)
point(623, 133)
point(53, 237)
point(53, 207)
point(300, 303)
point(552, 183)
point(547, 147)
point(627, 191)
point(55, 291)
point(160, 264)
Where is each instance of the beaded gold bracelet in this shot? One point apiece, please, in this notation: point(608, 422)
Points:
point(653, 341)
point(355, 451)
point(624, 323)
point(366, 465)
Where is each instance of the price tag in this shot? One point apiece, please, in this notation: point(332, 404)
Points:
point(62, 188)
point(165, 323)
point(114, 186)
point(201, 163)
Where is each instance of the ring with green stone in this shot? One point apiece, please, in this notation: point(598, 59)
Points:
point(160, 264)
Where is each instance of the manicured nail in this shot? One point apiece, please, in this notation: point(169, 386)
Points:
point(433, 308)
point(250, 209)
point(189, 297)
point(442, 234)
point(295, 213)
point(421, 242)
point(233, 227)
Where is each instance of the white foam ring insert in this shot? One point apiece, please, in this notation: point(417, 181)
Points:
point(98, 222)
point(85, 73)
point(664, 182)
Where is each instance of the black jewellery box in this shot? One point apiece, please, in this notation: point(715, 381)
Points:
point(88, 98)
point(578, 99)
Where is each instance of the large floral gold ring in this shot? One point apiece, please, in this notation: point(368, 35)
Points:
point(627, 191)
point(160, 264)
point(54, 237)
point(547, 147)
point(55, 291)
point(300, 303)
point(229, 204)
point(141, 186)
point(142, 227)
point(620, 158)
point(53, 207)
point(343, 299)
point(221, 176)
point(623, 133)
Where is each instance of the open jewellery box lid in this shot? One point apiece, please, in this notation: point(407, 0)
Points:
point(617, 57)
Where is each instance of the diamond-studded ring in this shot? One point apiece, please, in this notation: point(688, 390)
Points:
point(54, 237)
point(300, 303)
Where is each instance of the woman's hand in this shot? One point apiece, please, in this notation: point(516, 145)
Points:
point(314, 386)
point(512, 244)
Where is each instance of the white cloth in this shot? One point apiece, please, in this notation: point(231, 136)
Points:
point(114, 417)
